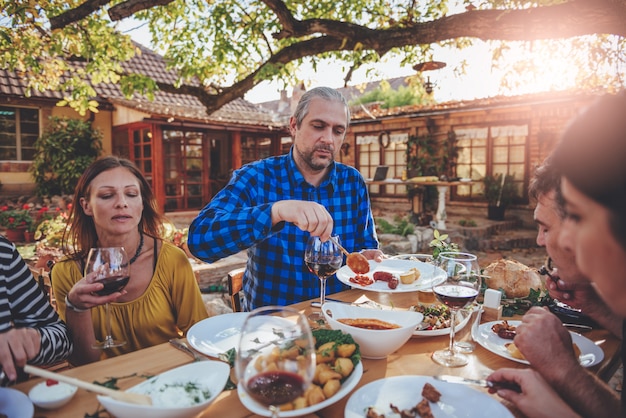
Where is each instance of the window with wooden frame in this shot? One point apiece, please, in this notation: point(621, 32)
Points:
point(385, 148)
point(19, 129)
point(492, 150)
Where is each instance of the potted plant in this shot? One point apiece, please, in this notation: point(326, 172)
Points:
point(500, 191)
point(15, 221)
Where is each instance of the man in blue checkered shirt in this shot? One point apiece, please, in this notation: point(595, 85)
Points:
point(272, 206)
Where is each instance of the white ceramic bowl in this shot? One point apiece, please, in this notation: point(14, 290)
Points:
point(51, 396)
point(174, 402)
point(374, 344)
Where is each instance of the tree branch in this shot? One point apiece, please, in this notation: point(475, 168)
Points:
point(130, 7)
point(76, 14)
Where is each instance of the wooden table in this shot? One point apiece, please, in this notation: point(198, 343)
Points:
point(412, 359)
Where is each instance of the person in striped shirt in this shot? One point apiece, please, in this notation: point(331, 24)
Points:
point(30, 329)
point(272, 206)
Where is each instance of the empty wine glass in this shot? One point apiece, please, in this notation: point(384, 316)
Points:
point(113, 270)
point(460, 288)
point(323, 259)
point(275, 360)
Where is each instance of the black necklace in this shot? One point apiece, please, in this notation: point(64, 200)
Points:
point(139, 248)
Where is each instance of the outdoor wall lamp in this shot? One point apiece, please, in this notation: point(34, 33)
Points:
point(428, 66)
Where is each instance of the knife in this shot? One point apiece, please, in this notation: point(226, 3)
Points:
point(479, 382)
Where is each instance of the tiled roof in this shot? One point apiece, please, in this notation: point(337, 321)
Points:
point(464, 105)
point(167, 105)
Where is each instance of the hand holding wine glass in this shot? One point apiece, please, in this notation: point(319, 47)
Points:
point(275, 360)
point(460, 288)
point(110, 266)
point(323, 259)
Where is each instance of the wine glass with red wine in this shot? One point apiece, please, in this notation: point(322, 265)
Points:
point(275, 360)
point(460, 289)
point(323, 259)
point(112, 269)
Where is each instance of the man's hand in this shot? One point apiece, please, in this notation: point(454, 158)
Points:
point(308, 216)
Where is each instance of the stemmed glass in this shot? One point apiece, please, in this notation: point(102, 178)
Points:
point(460, 288)
point(112, 269)
point(275, 360)
point(323, 259)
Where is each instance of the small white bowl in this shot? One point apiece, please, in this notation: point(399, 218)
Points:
point(207, 375)
point(51, 396)
point(374, 344)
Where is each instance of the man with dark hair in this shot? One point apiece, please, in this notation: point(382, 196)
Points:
point(568, 284)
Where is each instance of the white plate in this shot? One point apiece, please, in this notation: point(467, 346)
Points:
point(445, 331)
point(15, 404)
point(590, 355)
point(207, 375)
point(217, 334)
point(347, 386)
point(429, 275)
point(406, 391)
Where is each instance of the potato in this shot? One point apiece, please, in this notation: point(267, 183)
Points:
point(346, 350)
point(290, 353)
point(331, 387)
point(314, 395)
point(344, 366)
point(326, 375)
point(300, 402)
point(287, 407)
point(319, 369)
point(326, 353)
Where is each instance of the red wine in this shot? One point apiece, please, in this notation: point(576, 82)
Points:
point(455, 296)
point(112, 284)
point(276, 387)
point(323, 270)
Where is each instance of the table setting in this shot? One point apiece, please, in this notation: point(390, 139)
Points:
point(394, 375)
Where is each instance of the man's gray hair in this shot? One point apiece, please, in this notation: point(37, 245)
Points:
point(325, 93)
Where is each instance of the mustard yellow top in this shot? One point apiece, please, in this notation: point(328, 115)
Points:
point(171, 304)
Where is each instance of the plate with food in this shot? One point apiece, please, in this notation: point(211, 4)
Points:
point(436, 320)
point(324, 339)
point(388, 396)
point(217, 334)
point(392, 275)
point(497, 337)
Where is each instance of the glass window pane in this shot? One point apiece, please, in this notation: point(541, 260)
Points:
point(479, 156)
point(517, 154)
point(500, 155)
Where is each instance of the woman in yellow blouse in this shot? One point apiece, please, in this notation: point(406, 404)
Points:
point(114, 206)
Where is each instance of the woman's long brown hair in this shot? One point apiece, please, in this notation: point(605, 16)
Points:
point(80, 233)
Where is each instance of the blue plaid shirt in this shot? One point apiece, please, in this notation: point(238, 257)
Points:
point(239, 217)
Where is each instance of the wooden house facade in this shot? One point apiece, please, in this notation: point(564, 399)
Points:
point(186, 154)
point(508, 135)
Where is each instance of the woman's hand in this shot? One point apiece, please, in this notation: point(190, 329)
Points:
point(83, 294)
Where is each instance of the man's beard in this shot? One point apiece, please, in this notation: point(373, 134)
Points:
point(308, 158)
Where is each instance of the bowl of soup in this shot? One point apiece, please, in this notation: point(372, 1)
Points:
point(379, 332)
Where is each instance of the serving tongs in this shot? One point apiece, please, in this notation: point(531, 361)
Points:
point(120, 395)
